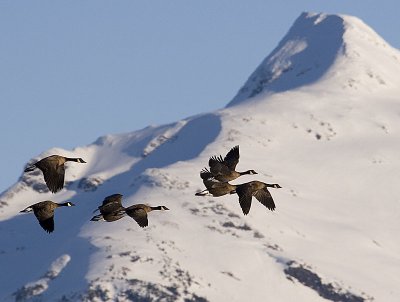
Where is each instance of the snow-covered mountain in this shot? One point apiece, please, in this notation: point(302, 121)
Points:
point(320, 116)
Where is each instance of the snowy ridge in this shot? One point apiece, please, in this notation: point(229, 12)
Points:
point(331, 146)
point(32, 289)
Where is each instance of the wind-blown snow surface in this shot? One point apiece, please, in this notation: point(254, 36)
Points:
point(320, 116)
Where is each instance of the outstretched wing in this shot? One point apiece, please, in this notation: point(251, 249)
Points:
point(139, 215)
point(47, 224)
point(45, 216)
point(218, 166)
point(264, 196)
point(111, 204)
point(205, 174)
point(244, 198)
point(53, 173)
point(232, 158)
point(115, 198)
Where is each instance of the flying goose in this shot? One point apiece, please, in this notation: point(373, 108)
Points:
point(111, 209)
point(44, 212)
point(257, 189)
point(223, 169)
point(245, 192)
point(53, 170)
point(139, 213)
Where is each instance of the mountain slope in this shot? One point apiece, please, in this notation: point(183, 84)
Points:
point(328, 141)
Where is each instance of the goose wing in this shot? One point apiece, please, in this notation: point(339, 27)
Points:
point(245, 196)
point(218, 166)
point(111, 204)
point(47, 224)
point(115, 198)
point(205, 174)
point(53, 173)
point(139, 215)
point(264, 196)
point(232, 158)
point(45, 215)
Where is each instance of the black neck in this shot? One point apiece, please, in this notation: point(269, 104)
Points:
point(159, 208)
point(71, 159)
point(64, 204)
point(245, 172)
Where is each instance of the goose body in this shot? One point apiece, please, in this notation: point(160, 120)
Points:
point(223, 169)
point(53, 170)
point(44, 212)
point(139, 213)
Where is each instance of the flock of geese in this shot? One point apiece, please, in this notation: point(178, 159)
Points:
point(216, 179)
point(222, 170)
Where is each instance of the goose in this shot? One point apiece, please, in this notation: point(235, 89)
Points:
point(139, 213)
point(111, 209)
point(223, 169)
point(44, 212)
point(53, 170)
point(245, 192)
point(257, 189)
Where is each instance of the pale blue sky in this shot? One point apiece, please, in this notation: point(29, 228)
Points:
point(71, 71)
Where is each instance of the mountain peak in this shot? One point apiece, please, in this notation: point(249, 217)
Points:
point(338, 48)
